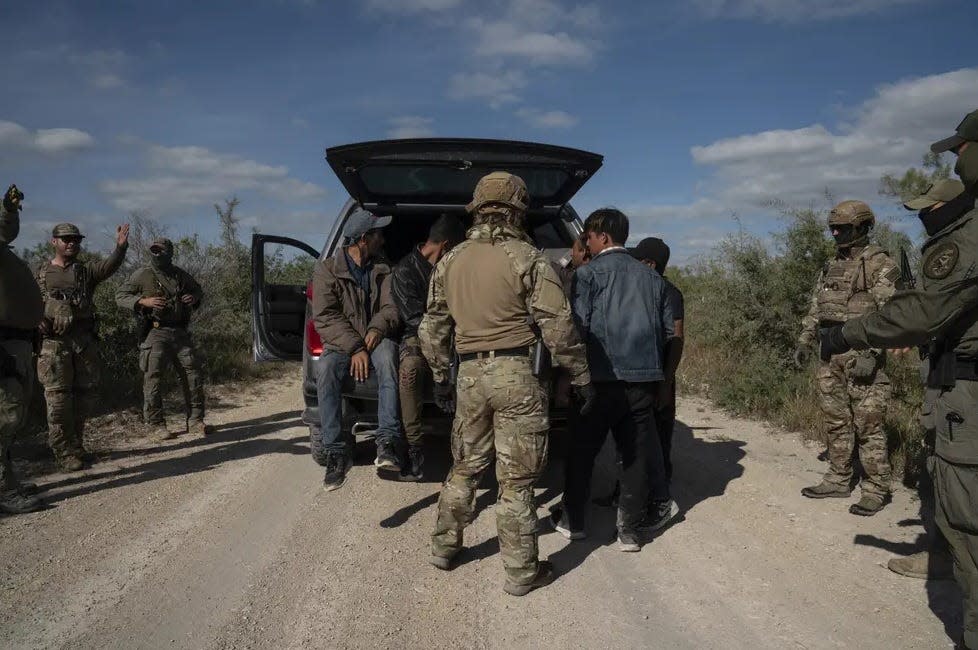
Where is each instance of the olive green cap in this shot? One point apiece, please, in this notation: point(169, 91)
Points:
point(967, 130)
point(499, 187)
point(939, 192)
point(66, 230)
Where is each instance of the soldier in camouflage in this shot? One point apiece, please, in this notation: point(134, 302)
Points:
point(68, 364)
point(163, 296)
point(853, 388)
point(484, 292)
point(20, 312)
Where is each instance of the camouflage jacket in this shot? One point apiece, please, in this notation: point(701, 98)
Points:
point(496, 291)
point(172, 283)
point(20, 299)
point(850, 287)
point(71, 289)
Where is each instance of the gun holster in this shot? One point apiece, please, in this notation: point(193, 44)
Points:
point(542, 361)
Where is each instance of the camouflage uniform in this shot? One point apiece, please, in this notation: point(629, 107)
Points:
point(20, 312)
point(68, 365)
point(853, 388)
point(165, 335)
point(483, 292)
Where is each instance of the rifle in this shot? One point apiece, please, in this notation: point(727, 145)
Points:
point(906, 273)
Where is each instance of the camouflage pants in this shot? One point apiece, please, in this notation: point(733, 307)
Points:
point(853, 412)
point(15, 396)
point(68, 368)
point(501, 409)
point(162, 346)
point(411, 375)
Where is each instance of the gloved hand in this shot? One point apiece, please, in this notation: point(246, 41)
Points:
point(586, 396)
point(12, 199)
point(864, 368)
point(60, 323)
point(801, 356)
point(832, 342)
point(445, 397)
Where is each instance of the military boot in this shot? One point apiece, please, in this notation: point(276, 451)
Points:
point(924, 565)
point(159, 432)
point(867, 506)
point(545, 575)
point(197, 428)
point(14, 502)
point(70, 463)
point(826, 490)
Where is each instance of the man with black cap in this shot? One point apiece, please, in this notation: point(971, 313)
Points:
point(944, 315)
point(67, 366)
point(654, 253)
point(162, 296)
point(354, 315)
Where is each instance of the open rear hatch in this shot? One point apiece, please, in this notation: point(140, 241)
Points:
point(386, 175)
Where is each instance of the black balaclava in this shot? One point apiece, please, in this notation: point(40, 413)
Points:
point(937, 220)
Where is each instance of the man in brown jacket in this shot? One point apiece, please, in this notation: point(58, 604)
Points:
point(355, 316)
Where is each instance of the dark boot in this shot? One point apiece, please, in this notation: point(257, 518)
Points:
point(545, 575)
point(15, 503)
point(414, 470)
point(867, 506)
point(826, 490)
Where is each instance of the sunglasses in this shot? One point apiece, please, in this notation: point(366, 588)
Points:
point(71, 238)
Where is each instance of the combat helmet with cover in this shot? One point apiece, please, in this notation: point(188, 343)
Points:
point(860, 219)
point(499, 188)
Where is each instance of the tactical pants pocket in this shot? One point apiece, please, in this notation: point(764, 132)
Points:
point(144, 352)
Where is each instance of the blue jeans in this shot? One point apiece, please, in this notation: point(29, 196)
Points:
point(334, 368)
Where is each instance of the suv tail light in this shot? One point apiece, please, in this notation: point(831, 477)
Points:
point(314, 344)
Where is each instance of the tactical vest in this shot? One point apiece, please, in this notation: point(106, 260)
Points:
point(74, 301)
point(170, 287)
point(844, 293)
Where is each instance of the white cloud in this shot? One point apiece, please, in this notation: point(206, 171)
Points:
point(412, 6)
point(181, 177)
point(546, 119)
point(510, 39)
point(15, 139)
point(495, 88)
point(886, 134)
point(410, 126)
point(790, 11)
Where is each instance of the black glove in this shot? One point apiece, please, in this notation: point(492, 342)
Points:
point(445, 397)
point(586, 396)
point(801, 356)
point(832, 342)
point(12, 199)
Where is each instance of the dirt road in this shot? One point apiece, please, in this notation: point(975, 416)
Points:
point(230, 542)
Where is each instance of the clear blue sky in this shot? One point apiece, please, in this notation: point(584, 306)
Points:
point(702, 108)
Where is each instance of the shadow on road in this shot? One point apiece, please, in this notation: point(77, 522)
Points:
point(943, 596)
point(229, 442)
point(702, 470)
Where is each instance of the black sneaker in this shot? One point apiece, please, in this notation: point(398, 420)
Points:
point(387, 461)
point(660, 514)
point(414, 471)
point(336, 468)
point(628, 541)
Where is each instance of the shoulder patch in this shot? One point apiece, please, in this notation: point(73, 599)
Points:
point(941, 260)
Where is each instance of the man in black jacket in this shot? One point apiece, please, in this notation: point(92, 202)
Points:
point(409, 288)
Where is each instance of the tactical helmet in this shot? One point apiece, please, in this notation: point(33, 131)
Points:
point(851, 213)
point(66, 230)
point(499, 187)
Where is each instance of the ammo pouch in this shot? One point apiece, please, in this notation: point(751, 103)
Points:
point(865, 367)
point(541, 359)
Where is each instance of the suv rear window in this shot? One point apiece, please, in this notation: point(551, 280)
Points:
point(451, 184)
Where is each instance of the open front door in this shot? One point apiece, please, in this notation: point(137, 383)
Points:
point(279, 275)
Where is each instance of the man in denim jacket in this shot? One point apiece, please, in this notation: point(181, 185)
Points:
point(621, 310)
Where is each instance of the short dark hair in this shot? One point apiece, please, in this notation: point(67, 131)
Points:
point(446, 229)
point(610, 221)
point(652, 249)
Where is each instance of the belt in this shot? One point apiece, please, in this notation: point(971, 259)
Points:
point(491, 354)
point(16, 334)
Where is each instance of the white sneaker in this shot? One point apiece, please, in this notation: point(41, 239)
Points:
point(558, 521)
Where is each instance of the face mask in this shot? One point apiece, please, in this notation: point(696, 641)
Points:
point(162, 260)
point(967, 168)
point(937, 220)
point(848, 236)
